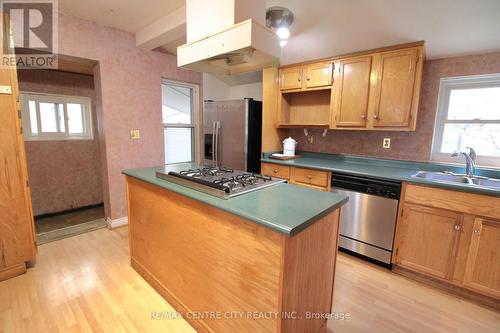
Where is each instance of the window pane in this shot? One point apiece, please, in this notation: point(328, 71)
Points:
point(33, 117)
point(62, 126)
point(477, 103)
point(75, 119)
point(178, 143)
point(176, 104)
point(484, 138)
point(48, 118)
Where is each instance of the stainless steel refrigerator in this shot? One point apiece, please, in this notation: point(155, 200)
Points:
point(232, 132)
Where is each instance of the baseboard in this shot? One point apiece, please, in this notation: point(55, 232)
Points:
point(111, 224)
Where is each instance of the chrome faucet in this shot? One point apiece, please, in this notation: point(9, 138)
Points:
point(470, 161)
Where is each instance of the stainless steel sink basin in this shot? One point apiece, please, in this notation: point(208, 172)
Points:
point(458, 178)
point(442, 176)
point(486, 182)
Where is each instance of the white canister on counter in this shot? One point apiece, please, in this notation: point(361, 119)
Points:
point(289, 147)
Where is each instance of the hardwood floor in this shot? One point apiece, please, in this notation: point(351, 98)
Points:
point(85, 284)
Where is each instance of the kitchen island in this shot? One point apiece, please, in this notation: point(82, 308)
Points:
point(263, 261)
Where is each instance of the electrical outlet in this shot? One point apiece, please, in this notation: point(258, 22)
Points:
point(386, 144)
point(310, 139)
point(135, 134)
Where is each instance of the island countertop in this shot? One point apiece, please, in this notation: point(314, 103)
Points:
point(285, 208)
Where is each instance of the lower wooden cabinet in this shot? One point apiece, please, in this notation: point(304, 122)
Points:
point(440, 235)
point(482, 271)
point(310, 178)
point(428, 241)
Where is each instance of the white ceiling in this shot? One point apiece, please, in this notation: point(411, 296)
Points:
point(324, 28)
point(128, 15)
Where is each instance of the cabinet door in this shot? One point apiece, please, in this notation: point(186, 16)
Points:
point(16, 220)
point(291, 78)
point(351, 91)
point(318, 75)
point(396, 72)
point(427, 240)
point(482, 272)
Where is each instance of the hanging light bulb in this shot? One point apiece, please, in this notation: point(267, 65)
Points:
point(283, 33)
point(283, 43)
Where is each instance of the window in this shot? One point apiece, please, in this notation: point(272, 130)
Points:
point(468, 116)
point(179, 113)
point(56, 117)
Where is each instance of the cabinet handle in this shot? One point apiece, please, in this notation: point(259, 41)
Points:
point(308, 78)
point(375, 116)
point(309, 177)
point(457, 227)
point(476, 232)
point(275, 171)
point(363, 116)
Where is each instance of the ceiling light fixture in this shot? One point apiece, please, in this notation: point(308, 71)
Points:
point(280, 19)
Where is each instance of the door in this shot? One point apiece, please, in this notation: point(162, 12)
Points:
point(291, 78)
point(482, 271)
point(427, 240)
point(351, 91)
point(394, 90)
point(318, 75)
point(232, 135)
point(17, 243)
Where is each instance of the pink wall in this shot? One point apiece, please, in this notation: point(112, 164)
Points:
point(63, 174)
point(128, 96)
point(416, 145)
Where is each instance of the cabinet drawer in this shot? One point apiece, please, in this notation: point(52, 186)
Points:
point(310, 177)
point(275, 170)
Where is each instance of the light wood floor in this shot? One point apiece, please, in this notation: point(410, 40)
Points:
point(85, 284)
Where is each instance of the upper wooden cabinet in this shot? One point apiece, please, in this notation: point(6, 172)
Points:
point(351, 92)
point(377, 91)
point(395, 74)
point(307, 77)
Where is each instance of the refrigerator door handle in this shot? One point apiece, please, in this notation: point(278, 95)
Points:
point(213, 143)
point(217, 128)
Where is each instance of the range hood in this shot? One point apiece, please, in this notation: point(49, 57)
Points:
point(220, 42)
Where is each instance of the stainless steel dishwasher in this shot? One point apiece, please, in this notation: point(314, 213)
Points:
point(368, 220)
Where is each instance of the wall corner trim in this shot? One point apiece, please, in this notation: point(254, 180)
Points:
point(112, 224)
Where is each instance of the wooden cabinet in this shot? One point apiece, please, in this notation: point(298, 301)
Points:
point(482, 271)
point(452, 237)
point(318, 75)
point(315, 179)
point(17, 243)
point(275, 170)
point(429, 240)
point(351, 92)
point(290, 78)
point(378, 91)
point(394, 90)
point(312, 76)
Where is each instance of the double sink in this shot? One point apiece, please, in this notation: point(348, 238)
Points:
point(449, 177)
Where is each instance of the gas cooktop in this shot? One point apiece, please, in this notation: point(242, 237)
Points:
point(219, 181)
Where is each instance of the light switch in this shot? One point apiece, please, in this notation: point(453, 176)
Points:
point(386, 143)
point(135, 134)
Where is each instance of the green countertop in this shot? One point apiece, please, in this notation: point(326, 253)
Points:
point(387, 169)
point(283, 207)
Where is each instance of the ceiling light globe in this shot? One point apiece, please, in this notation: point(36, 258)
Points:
point(283, 33)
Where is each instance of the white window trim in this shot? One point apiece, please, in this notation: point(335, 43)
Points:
point(25, 96)
point(445, 87)
point(197, 120)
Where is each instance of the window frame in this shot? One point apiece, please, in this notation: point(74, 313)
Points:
point(194, 125)
point(446, 85)
point(56, 99)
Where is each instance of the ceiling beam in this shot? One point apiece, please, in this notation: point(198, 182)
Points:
point(168, 29)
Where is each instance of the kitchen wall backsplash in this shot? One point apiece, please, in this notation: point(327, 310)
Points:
point(415, 146)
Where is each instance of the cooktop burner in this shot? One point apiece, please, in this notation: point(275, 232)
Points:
point(219, 181)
